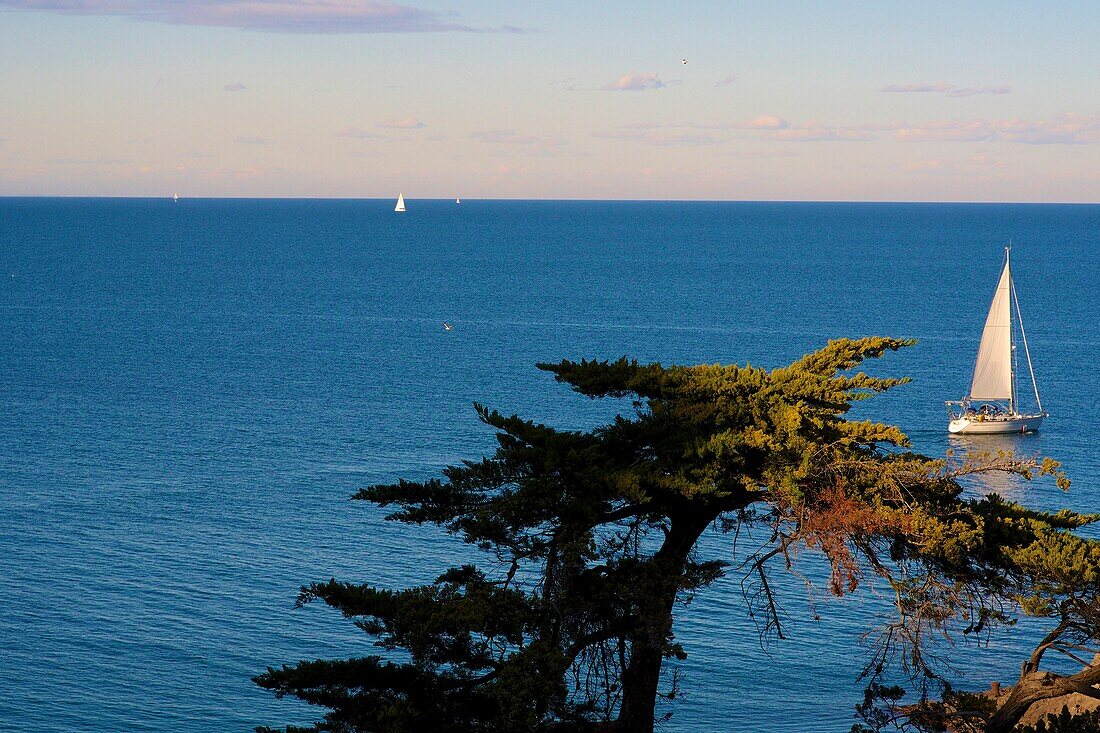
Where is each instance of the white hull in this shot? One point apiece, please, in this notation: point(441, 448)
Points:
point(997, 425)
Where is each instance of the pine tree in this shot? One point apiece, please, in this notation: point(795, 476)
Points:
point(591, 539)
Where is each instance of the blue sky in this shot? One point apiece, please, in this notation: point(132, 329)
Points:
point(352, 98)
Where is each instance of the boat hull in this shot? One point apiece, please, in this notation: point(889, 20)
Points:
point(995, 425)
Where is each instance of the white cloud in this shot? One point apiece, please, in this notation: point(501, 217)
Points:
point(635, 81)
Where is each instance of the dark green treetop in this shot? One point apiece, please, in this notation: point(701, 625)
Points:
point(591, 540)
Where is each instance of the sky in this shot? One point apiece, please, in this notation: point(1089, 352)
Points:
point(825, 101)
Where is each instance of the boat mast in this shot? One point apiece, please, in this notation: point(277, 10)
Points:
point(1011, 335)
point(1027, 353)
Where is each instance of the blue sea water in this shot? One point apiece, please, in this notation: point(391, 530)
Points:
point(190, 393)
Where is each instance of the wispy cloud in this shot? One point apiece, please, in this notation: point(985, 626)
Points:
point(924, 166)
point(956, 131)
point(529, 144)
point(816, 133)
point(948, 90)
point(355, 132)
point(509, 137)
point(979, 164)
point(764, 122)
point(635, 81)
point(726, 80)
point(90, 161)
point(662, 137)
point(764, 154)
point(281, 16)
point(235, 87)
point(767, 127)
point(406, 123)
point(1065, 129)
point(254, 140)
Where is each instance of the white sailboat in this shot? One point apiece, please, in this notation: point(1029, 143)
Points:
point(458, 200)
point(175, 198)
point(400, 202)
point(993, 404)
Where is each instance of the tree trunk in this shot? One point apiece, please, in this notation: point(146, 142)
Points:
point(1036, 686)
point(1030, 689)
point(643, 672)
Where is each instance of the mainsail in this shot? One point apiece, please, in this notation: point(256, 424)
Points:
point(993, 370)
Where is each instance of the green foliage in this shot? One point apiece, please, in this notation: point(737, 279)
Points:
point(955, 711)
point(875, 711)
point(591, 543)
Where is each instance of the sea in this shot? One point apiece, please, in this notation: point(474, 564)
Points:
point(190, 393)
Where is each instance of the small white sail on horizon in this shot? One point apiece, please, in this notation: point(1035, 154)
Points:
point(400, 202)
point(175, 198)
point(994, 382)
point(458, 200)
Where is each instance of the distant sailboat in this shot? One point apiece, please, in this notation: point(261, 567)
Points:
point(175, 198)
point(458, 201)
point(447, 326)
point(994, 384)
point(400, 202)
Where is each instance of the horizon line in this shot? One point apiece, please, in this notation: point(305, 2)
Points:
point(550, 200)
